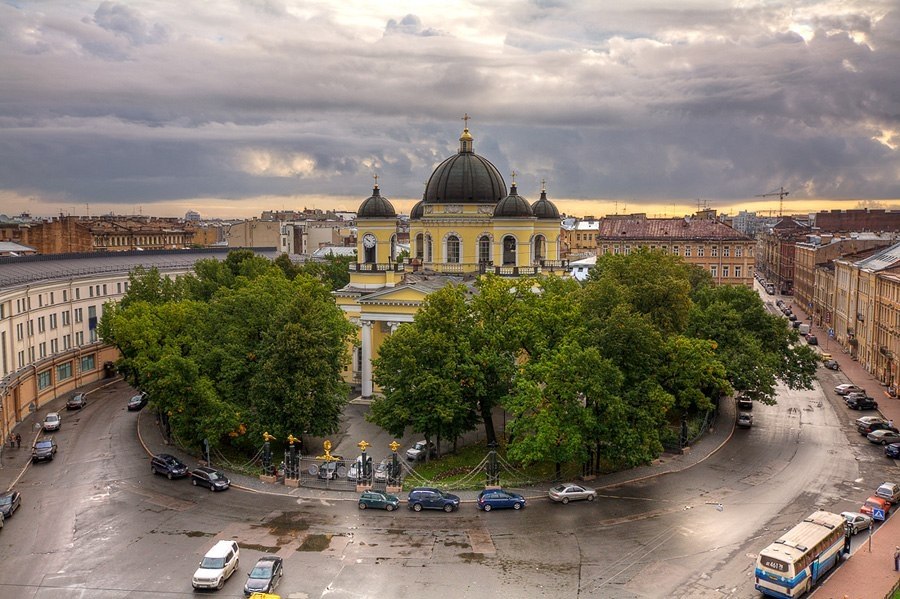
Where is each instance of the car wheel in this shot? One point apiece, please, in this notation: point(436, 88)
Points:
point(448, 508)
point(487, 507)
point(194, 481)
point(565, 500)
point(221, 583)
point(591, 497)
point(362, 506)
point(212, 488)
point(517, 506)
point(417, 507)
point(169, 475)
point(389, 507)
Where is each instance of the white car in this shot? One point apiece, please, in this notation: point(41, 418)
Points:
point(848, 388)
point(417, 451)
point(217, 566)
point(889, 491)
point(567, 492)
point(51, 422)
point(857, 521)
point(866, 420)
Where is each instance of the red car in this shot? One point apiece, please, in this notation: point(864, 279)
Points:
point(874, 502)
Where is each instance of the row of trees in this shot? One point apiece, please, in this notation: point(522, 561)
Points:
point(586, 372)
point(238, 347)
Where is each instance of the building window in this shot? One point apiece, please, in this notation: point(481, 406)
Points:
point(31, 354)
point(65, 295)
point(616, 249)
point(54, 346)
point(119, 288)
point(714, 271)
point(78, 293)
point(484, 249)
point(53, 321)
point(64, 371)
point(66, 318)
point(42, 324)
point(79, 314)
point(453, 249)
point(30, 327)
point(20, 332)
point(724, 271)
point(509, 251)
point(79, 338)
point(91, 290)
point(714, 251)
point(429, 247)
point(52, 298)
point(93, 335)
point(675, 250)
point(44, 379)
point(22, 359)
point(42, 350)
point(420, 246)
point(738, 251)
point(700, 251)
point(67, 341)
point(627, 250)
point(726, 251)
point(87, 363)
point(737, 272)
point(40, 300)
point(539, 249)
point(687, 251)
point(104, 288)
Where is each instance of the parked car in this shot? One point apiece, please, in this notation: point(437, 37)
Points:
point(883, 436)
point(846, 388)
point(875, 503)
point(892, 450)
point(831, 364)
point(855, 395)
point(745, 420)
point(217, 566)
point(383, 470)
point(355, 470)
point(793, 318)
point(812, 340)
point(210, 478)
point(43, 449)
point(571, 492)
point(378, 500)
point(490, 499)
point(857, 521)
point(889, 491)
point(862, 403)
point(265, 575)
point(744, 403)
point(76, 402)
point(9, 503)
point(333, 469)
point(417, 451)
point(427, 498)
point(168, 465)
point(877, 425)
point(51, 422)
point(137, 402)
point(869, 420)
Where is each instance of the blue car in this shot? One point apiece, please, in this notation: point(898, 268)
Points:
point(892, 451)
point(498, 498)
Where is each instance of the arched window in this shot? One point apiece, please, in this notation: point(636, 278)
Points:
point(540, 249)
point(484, 249)
point(509, 251)
point(420, 246)
point(428, 249)
point(453, 249)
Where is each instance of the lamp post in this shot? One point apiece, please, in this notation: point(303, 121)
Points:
point(267, 474)
point(362, 471)
point(292, 467)
point(394, 483)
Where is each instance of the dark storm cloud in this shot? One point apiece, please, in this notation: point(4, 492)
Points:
point(143, 101)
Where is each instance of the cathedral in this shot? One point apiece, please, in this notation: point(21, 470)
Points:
point(467, 224)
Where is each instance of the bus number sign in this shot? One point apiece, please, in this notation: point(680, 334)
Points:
point(773, 564)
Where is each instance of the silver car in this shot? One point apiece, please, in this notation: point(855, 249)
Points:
point(571, 492)
point(857, 521)
point(51, 422)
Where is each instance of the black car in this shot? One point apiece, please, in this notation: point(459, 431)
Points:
point(210, 478)
point(831, 364)
point(76, 402)
point(265, 575)
point(44, 449)
point(812, 340)
point(9, 503)
point(862, 403)
point(891, 451)
point(169, 465)
point(426, 498)
point(137, 402)
point(866, 428)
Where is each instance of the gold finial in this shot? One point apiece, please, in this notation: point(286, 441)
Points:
point(327, 445)
point(543, 185)
point(394, 446)
point(465, 119)
point(267, 437)
point(363, 445)
point(513, 175)
point(292, 439)
point(375, 176)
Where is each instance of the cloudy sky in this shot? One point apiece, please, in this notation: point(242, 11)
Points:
point(233, 107)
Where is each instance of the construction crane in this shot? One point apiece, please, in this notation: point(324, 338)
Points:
point(780, 192)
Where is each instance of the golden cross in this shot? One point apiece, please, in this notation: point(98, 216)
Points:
point(466, 118)
point(513, 174)
point(543, 182)
point(375, 176)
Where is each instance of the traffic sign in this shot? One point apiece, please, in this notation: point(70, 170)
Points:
point(877, 514)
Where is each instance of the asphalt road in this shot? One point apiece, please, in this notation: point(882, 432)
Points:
point(95, 523)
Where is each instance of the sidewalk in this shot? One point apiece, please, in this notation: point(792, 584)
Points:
point(867, 574)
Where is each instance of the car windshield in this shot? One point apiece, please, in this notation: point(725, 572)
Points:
point(43, 444)
point(261, 572)
point(6, 500)
point(560, 488)
point(52, 418)
point(216, 476)
point(212, 563)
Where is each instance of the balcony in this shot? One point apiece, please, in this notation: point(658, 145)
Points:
point(374, 267)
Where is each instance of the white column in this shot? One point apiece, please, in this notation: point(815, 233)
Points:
point(366, 329)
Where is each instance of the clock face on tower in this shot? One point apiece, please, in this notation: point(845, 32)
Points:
point(369, 240)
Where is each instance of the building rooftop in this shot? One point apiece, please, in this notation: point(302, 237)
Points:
point(639, 227)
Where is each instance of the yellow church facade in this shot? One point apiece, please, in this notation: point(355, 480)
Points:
point(467, 224)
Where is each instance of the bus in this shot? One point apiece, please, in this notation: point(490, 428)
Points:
point(799, 559)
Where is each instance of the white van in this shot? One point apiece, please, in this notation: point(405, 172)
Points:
point(804, 329)
point(217, 566)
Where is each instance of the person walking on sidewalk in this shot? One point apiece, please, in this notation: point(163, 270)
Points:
point(18, 441)
point(897, 559)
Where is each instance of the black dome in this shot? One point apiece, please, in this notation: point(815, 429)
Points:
point(466, 178)
point(544, 208)
point(376, 207)
point(513, 206)
point(417, 211)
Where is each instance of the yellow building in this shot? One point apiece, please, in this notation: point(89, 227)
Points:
point(467, 224)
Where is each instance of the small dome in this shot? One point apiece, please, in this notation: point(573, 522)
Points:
point(513, 206)
point(466, 178)
point(417, 211)
point(544, 208)
point(376, 206)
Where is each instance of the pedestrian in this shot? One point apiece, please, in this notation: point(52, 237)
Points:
point(890, 424)
point(18, 440)
point(897, 559)
point(12, 440)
